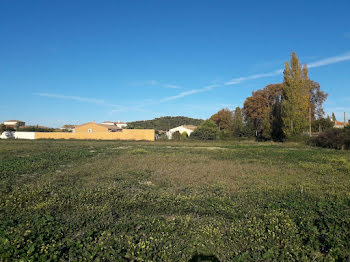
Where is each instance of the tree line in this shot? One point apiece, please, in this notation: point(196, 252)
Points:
point(279, 111)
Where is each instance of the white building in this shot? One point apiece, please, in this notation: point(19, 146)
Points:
point(117, 124)
point(338, 124)
point(14, 123)
point(184, 128)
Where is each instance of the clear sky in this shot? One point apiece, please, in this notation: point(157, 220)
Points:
point(74, 61)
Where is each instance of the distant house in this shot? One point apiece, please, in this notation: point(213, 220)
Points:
point(93, 127)
point(338, 124)
point(68, 128)
point(118, 124)
point(184, 128)
point(14, 123)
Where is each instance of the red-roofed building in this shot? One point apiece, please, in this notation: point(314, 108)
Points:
point(338, 124)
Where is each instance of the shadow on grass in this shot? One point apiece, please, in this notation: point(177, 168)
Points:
point(200, 258)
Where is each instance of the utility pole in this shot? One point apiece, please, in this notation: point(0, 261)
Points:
point(310, 121)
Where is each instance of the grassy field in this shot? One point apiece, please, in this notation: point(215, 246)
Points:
point(168, 201)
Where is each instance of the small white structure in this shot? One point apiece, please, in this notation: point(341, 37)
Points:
point(184, 128)
point(117, 124)
point(17, 135)
point(14, 123)
point(70, 128)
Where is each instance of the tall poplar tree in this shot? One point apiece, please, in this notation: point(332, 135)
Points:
point(295, 97)
point(238, 125)
point(333, 117)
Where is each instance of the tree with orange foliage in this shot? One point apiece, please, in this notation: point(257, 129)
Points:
point(223, 119)
point(258, 107)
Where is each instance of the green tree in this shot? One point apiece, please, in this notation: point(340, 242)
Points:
point(317, 98)
point(322, 124)
point(223, 119)
point(333, 117)
point(295, 97)
point(225, 134)
point(176, 136)
point(184, 135)
point(249, 129)
point(206, 131)
point(266, 125)
point(277, 122)
point(238, 125)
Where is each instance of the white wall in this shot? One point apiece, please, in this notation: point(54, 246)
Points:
point(24, 135)
point(17, 135)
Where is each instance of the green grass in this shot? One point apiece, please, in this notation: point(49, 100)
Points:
point(168, 201)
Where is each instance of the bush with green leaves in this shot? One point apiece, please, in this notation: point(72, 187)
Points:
point(334, 138)
point(36, 129)
point(176, 136)
point(225, 135)
point(206, 131)
point(322, 124)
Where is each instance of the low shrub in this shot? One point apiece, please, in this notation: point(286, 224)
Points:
point(176, 136)
point(139, 151)
point(335, 138)
point(225, 135)
point(206, 131)
point(36, 129)
point(184, 135)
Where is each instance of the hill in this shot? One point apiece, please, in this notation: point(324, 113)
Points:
point(164, 123)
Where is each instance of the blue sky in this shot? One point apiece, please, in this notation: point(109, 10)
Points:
point(74, 61)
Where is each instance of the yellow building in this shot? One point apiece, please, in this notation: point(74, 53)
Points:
point(92, 127)
point(93, 130)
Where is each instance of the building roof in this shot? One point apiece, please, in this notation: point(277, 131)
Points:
point(110, 127)
point(14, 121)
point(68, 126)
point(111, 122)
point(190, 127)
point(106, 126)
point(338, 123)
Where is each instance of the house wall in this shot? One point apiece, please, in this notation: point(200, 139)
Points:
point(181, 129)
point(122, 125)
point(126, 134)
point(93, 126)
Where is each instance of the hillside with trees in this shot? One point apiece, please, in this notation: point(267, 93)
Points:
point(164, 123)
